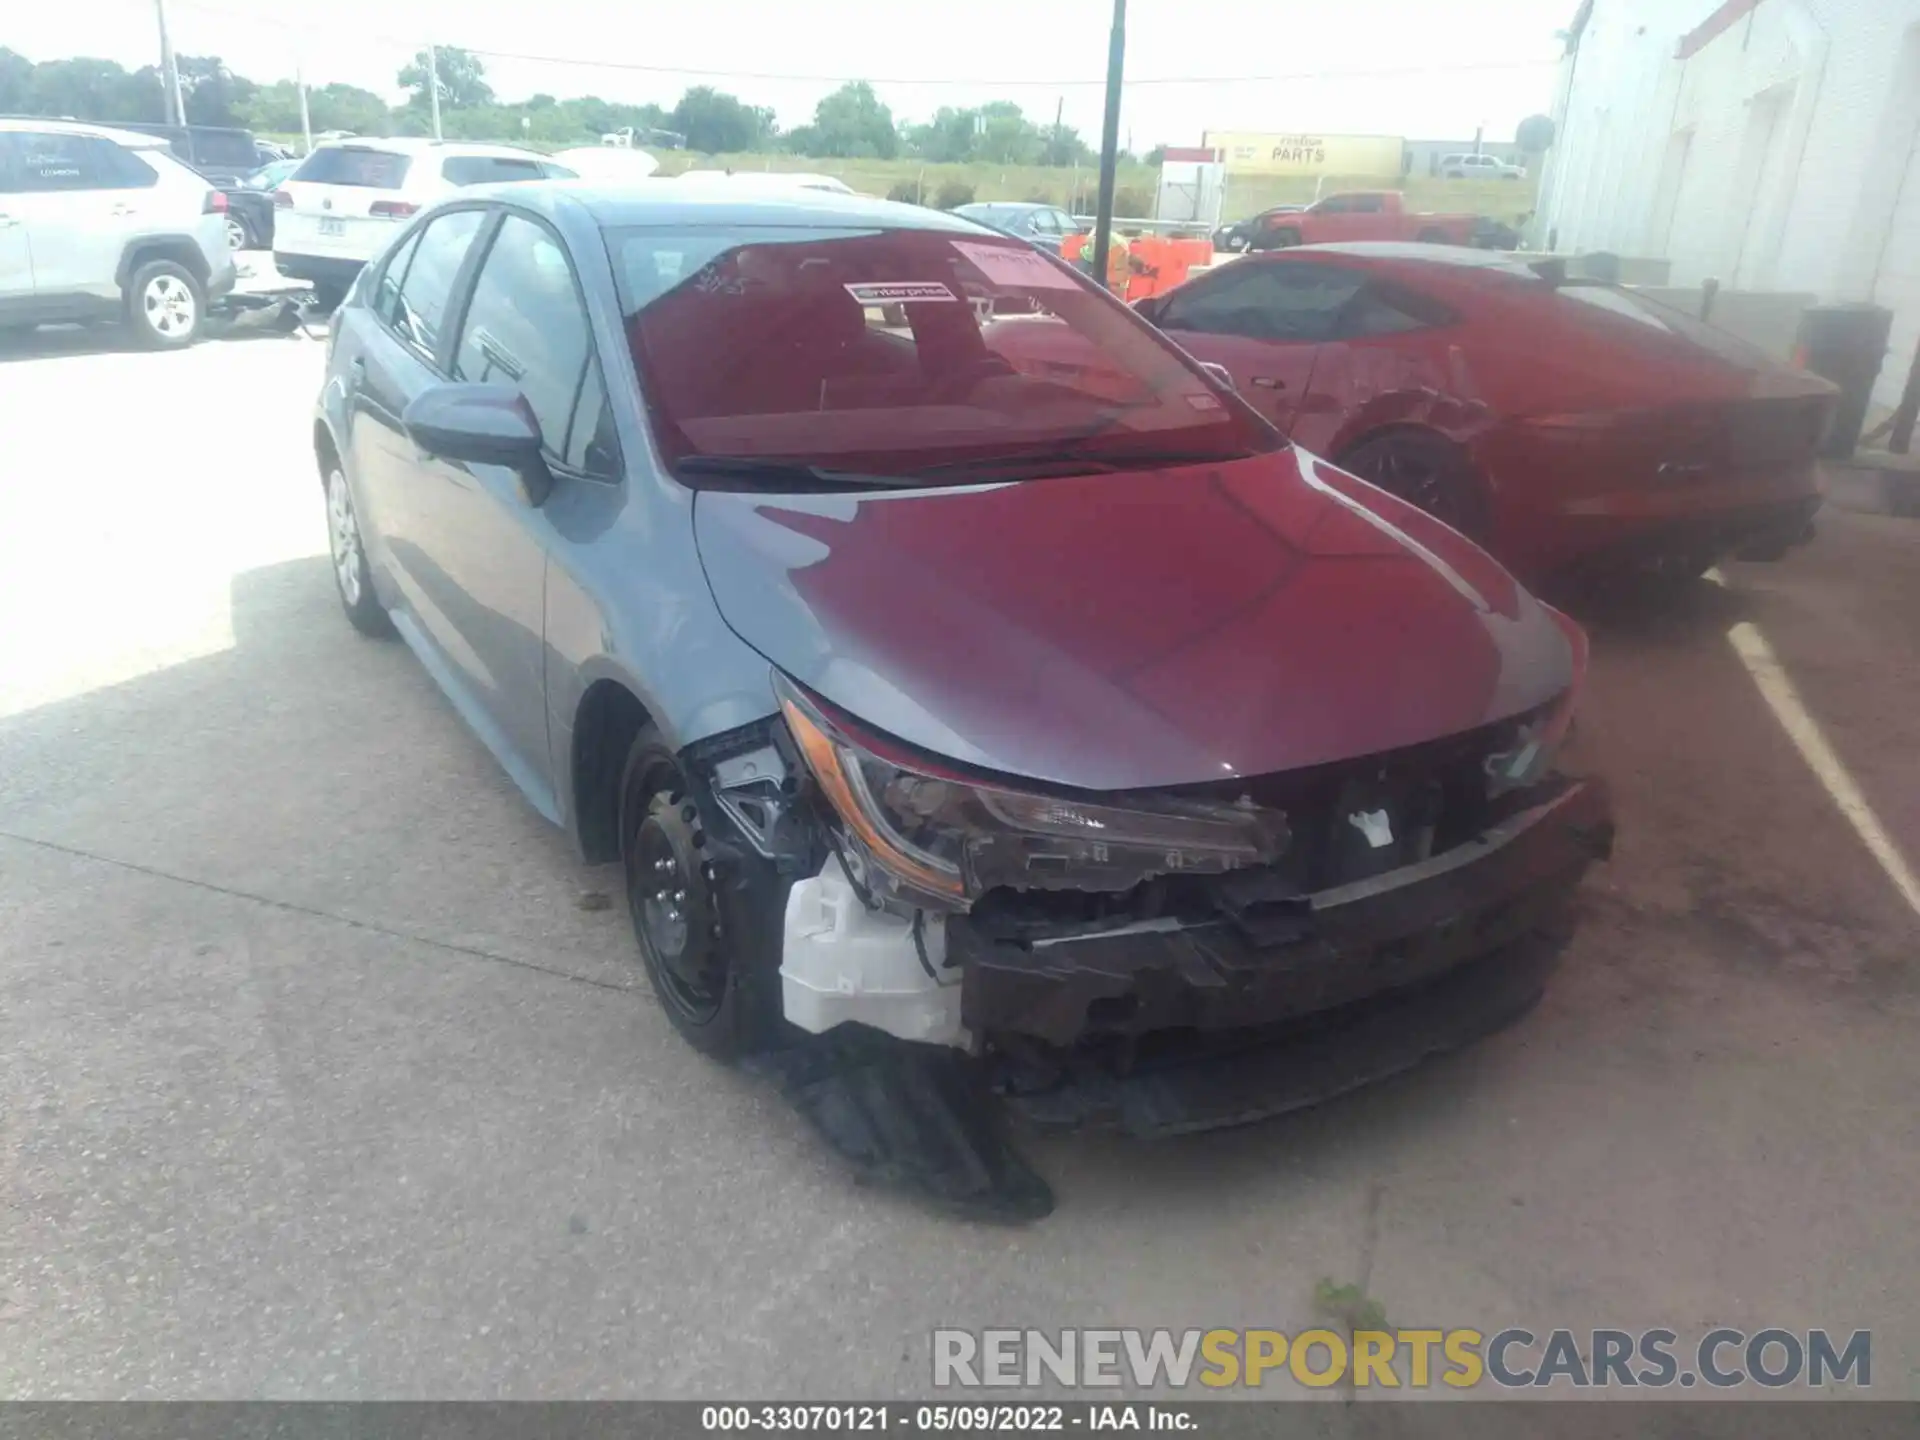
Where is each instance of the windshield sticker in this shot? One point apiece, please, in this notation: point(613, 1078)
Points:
point(1007, 265)
point(900, 292)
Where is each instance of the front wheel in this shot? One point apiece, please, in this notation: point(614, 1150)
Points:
point(237, 237)
point(709, 925)
point(165, 305)
point(1424, 470)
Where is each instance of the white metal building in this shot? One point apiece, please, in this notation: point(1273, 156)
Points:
point(1767, 144)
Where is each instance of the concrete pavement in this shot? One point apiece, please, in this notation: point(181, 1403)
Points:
point(320, 1077)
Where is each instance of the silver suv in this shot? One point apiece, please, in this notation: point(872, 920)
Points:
point(99, 224)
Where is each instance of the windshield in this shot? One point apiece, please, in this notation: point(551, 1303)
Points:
point(899, 351)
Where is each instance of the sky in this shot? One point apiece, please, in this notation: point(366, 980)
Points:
point(1383, 67)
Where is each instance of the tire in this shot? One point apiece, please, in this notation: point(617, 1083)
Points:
point(709, 924)
point(1425, 470)
point(166, 306)
point(238, 236)
point(351, 576)
point(328, 295)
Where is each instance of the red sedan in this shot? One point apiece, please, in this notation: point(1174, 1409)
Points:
point(1576, 429)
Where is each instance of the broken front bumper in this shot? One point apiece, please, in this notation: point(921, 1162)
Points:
point(1317, 953)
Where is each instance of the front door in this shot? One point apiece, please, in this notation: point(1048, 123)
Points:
point(78, 198)
point(16, 256)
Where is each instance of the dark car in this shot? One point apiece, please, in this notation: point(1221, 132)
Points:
point(1061, 713)
point(250, 205)
point(1583, 432)
point(220, 152)
point(1254, 232)
point(1045, 226)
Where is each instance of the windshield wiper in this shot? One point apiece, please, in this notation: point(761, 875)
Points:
point(785, 474)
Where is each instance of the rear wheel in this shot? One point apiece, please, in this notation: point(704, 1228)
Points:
point(708, 925)
point(237, 236)
point(351, 575)
point(1424, 470)
point(164, 306)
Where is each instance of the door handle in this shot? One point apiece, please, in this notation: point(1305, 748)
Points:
point(1268, 382)
point(125, 210)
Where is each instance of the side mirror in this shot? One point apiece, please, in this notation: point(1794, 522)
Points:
point(481, 425)
point(1219, 372)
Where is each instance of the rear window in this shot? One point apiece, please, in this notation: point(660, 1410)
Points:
point(229, 151)
point(899, 350)
point(487, 169)
point(354, 165)
point(1644, 310)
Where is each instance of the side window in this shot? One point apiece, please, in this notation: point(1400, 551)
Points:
point(45, 161)
point(527, 326)
point(591, 447)
point(1335, 205)
point(1374, 312)
point(123, 169)
point(1368, 204)
point(386, 292)
point(427, 290)
point(1282, 301)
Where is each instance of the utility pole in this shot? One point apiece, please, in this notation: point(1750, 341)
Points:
point(433, 86)
point(306, 120)
point(1109, 143)
point(1053, 150)
point(169, 71)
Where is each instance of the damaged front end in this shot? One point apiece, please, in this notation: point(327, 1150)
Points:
point(1203, 956)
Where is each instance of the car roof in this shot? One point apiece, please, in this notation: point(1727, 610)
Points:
point(132, 139)
point(613, 204)
point(412, 145)
point(1409, 252)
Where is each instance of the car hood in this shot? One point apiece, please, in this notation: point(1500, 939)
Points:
point(1125, 631)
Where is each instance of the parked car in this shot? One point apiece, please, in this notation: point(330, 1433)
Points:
point(1240, 234)
point(1361, 215)
point(1576, 429)
point(1046, 226)
point(350, 198)
point(100, 224)
point(607, 162)
point(250, 205)
point(220, 152)
point(1479, 167)
point(1069, 716)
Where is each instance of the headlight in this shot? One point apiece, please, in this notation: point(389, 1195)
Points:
point(1539, 738)
point(933, 838)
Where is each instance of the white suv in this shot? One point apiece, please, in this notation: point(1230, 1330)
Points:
point(1479, 167)
point(99, 224)
point(349, 198)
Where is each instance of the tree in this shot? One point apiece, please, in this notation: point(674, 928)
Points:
point(16, 82)
point(718, 123)
point(212, 94)
point(947, 138)
point(1007, 137)
point(853, 122)
point(1156, 156)
point(463, 79)
point(1534, 135)
point(100, 90)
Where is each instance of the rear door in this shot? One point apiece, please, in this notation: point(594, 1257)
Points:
point(80, 197)
point(347, 202)
point(406, 347)
point(1264, 320)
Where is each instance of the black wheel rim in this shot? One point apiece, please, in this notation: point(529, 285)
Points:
point(1418, 477)
point(674, 917)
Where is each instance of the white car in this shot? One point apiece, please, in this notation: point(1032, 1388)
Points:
point(99, 224)
point(607, 163)
point(350, 197)
point(1479, 167)
point(785, 181)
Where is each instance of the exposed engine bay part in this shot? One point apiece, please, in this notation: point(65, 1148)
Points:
point(910, 1116)
point(842, 962)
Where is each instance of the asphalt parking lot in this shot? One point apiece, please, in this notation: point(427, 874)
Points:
point(321, 1076)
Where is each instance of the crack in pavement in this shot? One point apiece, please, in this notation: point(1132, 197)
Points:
point(293, 907)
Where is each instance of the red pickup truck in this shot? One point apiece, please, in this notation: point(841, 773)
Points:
point(1359, 215)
